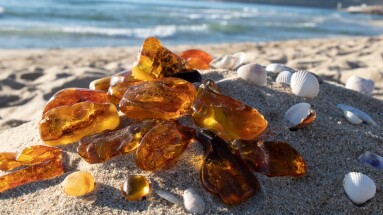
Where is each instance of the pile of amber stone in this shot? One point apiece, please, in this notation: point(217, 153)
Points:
point(154, 95)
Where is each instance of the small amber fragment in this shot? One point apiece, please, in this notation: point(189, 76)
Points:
point(306, 121)
point(222, 173)
point(156, 61)
point(100, 84)
point(68, 124)
point(227, 117)
point(101, 147)
point(118, 90)
point(8, 161)
point(119, 83)
point(78, 183)
point(72, 96)
point(197, 59)
point(161, 146)
point(135, 187)
point(270, 158)
point(165, 98)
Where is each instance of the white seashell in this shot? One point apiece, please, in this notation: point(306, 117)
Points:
point(359, 187)
point(362, 85)
point(284, 77)
point(362, 115)
point(304, 84)
point(169, 197)
point(297, 113)
point(276, 68)
point(229, 61)
point(253, 73)
point(352, 118)
point(371, 159)
point(193, 202)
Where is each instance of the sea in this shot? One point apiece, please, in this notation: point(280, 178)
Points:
point(26, 24)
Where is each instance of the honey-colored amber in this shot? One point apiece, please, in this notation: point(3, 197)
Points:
point(227, 117)
point(101, 147)
point(135, 187)
point(72, 96)
point(100, 84)
point(165, 98)
point(68, 124)
point(118, 90)
point(270, 158)
point(222, 173)
point(78, 183)
point(119, 83)
point(8, 161)
point(197, 59)
point(156, 61)
point(162, 145)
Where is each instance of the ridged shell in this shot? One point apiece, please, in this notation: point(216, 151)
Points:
point(299, 114)
point(284, 77)
point(253, 73)
point(193, 202)
point(362, 115)
point(352, 118)
point(371, 159)
point(169, 197)
point(359, 187)
point(229, 61)
point(304, 84)
point(362, 85)
point(276, 68)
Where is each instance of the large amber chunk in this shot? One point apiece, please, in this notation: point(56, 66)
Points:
point(161, 146)
point(227, 117)
point(222, 173)
point(197, 59)
point(135, 187)
point(156, 61)
point(101, 147)
point(72, 96)
point(68, 124)
point(270, 158)
point(165, 98)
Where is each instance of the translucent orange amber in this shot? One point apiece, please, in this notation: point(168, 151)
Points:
point(222, 173)
point(270, 158)
point(101, 147)
point(68, 124)
point(227, 117)
point(162, 145)
point(119, 83)
point(165, 98)
point(78, 183)
point(197, 59)
point(100, 84)
point(72, 96)
point(135, 187)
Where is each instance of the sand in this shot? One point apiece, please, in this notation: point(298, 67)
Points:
point(330, 146)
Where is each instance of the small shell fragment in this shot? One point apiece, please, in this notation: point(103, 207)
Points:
point(362, 115)
point(276, 68)
point(78, 183)
point(359, 187)
point(169, 197)
point(193, 202)
point(304, 84)
point(352, 118)
point(362, 85)
point(229, 61)
point(371, 159)
point(300, 115)
point(253, 73)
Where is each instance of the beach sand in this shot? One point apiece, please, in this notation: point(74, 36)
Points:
point(330, 146)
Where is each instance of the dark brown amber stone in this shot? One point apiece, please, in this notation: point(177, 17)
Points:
point(165, 98)
point(161, 146)
point(197, 59)
point(222, 173)
point(227, 117)
point(193, 76)
point(101, 147)
point(72, 96)
point(270, 158)
point(100, 84)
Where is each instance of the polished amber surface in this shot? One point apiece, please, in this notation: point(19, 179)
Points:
point(135, 187)
point(165, 98)
point(72, 96)
point(162, 145)
point(78, 183)
point(270, 158)
point(197, 59)
point(227, 117)
point(100, 84)
point(222, 173)
point(119, 83)
point(8, 161)
point(101, 147)
point(68, 124)
point(156, 61)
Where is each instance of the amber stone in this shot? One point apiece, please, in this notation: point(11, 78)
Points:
point(197, 59)
point(165, 98)
point(101, 147)
point(119, 83)
point(192, 76)
point(78, 183)
point(70, 96)
point(222, 173)
point(68, 124)
point(156, 61)
point(270, 158)
point(135, 187)
point(162, 145)
point(227, 117)
point(100, 84)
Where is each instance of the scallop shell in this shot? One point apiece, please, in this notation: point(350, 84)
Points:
point(193, 202)
point(253, 73)
point(352, 118)
point(362, 85)
point(300, 115)
point(359, 187)
point(229, 61)
point(276, 68)
point(304, 84)
point(284, 77)
point(169, 197)
point(371, 159)
point(362, 115)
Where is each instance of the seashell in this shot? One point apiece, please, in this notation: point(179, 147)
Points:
point(253, 73)
point(89, 199)
point(362, 85)
point(304, 84)
point(352, 118)
point(362, 115)
point(229, 61)
point(300, 115)
point(193, 202)
point(284, 77)
point(371, 159)
point(276, 68)
point(169, 197)
point(359, 187)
